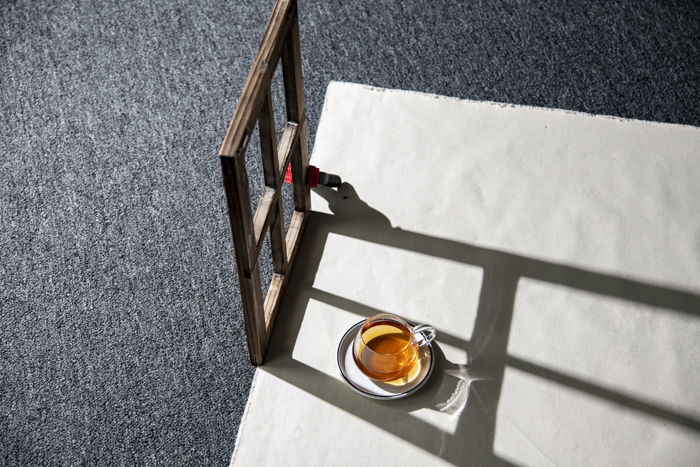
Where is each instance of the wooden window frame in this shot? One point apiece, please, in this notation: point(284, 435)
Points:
point(280, 42)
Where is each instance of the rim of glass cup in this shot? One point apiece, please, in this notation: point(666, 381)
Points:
point(389, 317)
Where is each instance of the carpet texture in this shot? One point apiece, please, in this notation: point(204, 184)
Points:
point(121, 337)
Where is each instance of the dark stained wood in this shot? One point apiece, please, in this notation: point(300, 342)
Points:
point(238, 198)
point(263, 215)
point(294, 234)
point(300, 163)
point(296, 111)
point(270, 200)
point(279, 281)
point(253, 314)
point(277, 242)
point(284, 150)
point(268, 144)
point(271, 168)
point(281, 41)
point(291, 72)
point(273, 299)
point(236, 186)
point(258, 79)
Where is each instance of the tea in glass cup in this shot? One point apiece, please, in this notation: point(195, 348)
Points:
point(386, 347)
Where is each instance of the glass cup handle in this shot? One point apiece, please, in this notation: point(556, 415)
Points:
point(427, 332)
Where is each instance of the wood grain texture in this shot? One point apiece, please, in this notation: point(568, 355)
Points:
point(271, 169)
point(296, 112)
point(259, 77)
point(284, 150)
point(253, 316)
point(300, 164)
point(263, 215)
point(281, 41)
point(268, 144)
point(270, 203)
point(279, 281)
point(277, 241)
point(236, 186)
point(291, 72)
point(235, 180)
point(273, 300)
point(294, 235)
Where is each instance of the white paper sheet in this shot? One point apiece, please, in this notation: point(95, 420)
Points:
point(557, 254)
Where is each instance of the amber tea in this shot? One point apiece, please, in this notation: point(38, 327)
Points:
point(385, 350)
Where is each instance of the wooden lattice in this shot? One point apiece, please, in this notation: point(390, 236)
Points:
point(281, 41)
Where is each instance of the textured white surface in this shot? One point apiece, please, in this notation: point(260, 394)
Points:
point(557, 253)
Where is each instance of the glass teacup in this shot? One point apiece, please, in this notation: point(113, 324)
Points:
point(387, 346)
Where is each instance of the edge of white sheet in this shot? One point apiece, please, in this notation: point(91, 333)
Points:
point(334, 83)
point(337, 85)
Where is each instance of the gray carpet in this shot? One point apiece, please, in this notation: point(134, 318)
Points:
point(121, 338)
